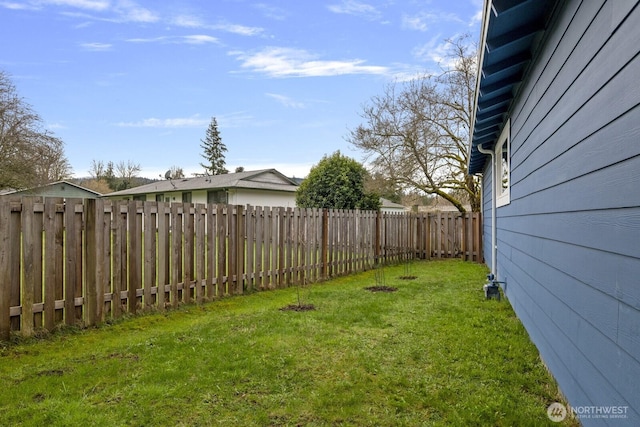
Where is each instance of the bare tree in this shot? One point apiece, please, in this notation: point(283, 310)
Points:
point(416, 133)
point(97, 169)
point(104, 180)
point(126, 172)
point(29, 154)
point(175, 172)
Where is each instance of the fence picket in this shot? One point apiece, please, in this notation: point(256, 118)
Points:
point(149, 242)
point(163, 220)
point(200, 254)
point(250, 245)
point(188, 224)
point(49, 228)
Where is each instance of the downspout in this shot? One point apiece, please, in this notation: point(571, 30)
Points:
point(494, 244)
point(492, 289)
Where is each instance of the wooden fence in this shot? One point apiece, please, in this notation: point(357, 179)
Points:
point(76, 261)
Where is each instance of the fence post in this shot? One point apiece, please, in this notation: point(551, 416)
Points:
point(5, 270)
point(29, 279)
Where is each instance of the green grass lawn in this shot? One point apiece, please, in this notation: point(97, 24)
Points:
point(432, 353)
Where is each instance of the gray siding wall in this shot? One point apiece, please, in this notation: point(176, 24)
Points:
point(569, 241)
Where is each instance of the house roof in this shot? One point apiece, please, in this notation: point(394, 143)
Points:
point(265, 179)
point(388, 204)
point(51, 184)
point(511, 32)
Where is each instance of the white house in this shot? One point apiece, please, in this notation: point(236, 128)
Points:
point(388, 206)
point(266, 187)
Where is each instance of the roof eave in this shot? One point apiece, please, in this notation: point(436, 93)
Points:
point(510, 31)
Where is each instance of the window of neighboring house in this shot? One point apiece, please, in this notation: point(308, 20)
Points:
point(503, 166)
point(142, 197)
point(217, 197)
point(160, 197)
point(186, 197)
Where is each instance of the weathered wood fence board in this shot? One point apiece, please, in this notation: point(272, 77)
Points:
point(84, 262)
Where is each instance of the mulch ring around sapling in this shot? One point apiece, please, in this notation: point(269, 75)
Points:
point(381, 289)
point(298, 307)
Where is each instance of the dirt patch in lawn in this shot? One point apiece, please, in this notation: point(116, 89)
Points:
point(381, 289)
point(298, 307)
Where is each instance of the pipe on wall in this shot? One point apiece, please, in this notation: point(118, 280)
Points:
point(494, 243)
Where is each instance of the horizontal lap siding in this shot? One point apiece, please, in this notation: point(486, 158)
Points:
point(569, 241)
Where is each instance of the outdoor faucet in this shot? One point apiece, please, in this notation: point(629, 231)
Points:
point(492, 289)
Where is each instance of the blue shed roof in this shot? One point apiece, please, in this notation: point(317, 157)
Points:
point(511, 31)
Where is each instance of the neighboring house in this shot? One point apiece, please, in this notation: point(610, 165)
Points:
point(65, 189)
point(440, 204)
point(388, 206)
point(557, 121)
point(266, 187)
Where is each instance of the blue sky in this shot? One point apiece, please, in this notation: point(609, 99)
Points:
point(140, 80)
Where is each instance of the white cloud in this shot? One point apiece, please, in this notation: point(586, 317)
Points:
point(272, 12)
point(434, 50)
point(356, 8)
point(438, 51)
point(17, 6)
point(103, 10)
point(130, 11)
point(96, 47)
point(56, 126)
point(149, 40)
point(181, 122)
point(191, 39)
point(238, 29)
point(231, 120)
point(199, 39)
point(286, 101)
point(287, 62)
point(188, 21)
point(476, 19)
point(422, 21)
point(95, 5)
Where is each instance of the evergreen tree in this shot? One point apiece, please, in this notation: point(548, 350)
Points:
point(214, 150)
point(336, 182)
